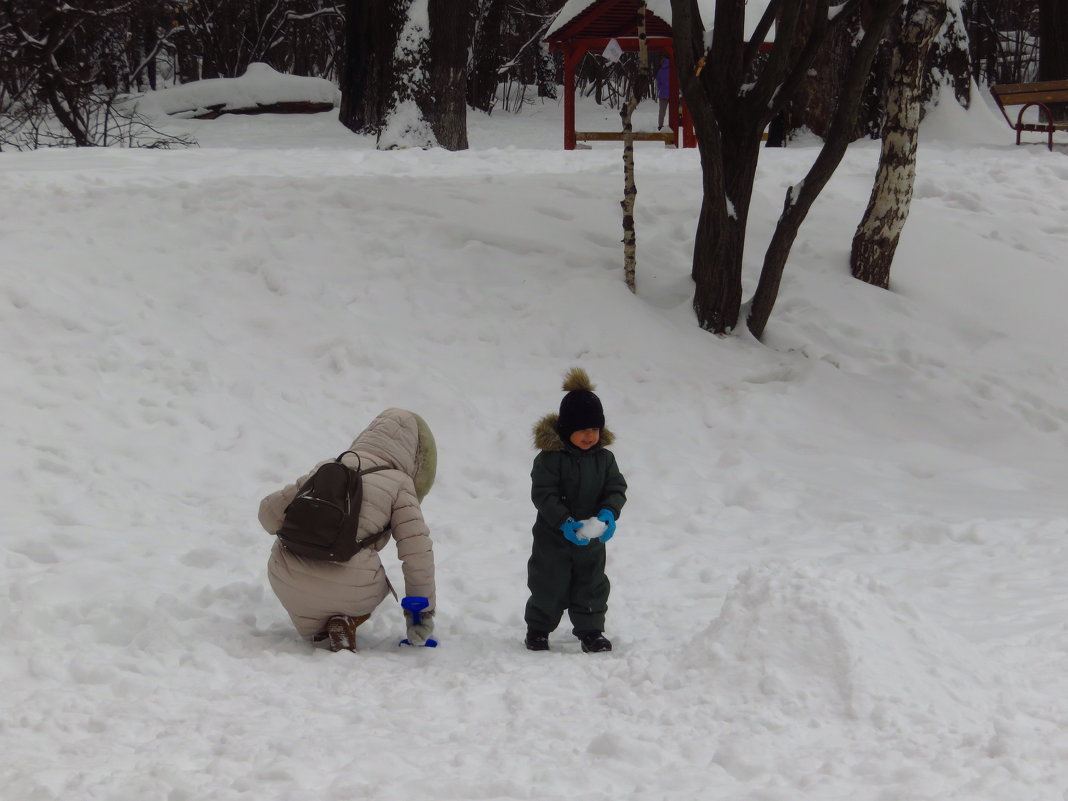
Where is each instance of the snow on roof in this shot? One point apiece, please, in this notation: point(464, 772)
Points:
point(754, 10)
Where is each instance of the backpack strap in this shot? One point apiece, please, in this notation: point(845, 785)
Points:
point(359, 464)
point(374, 538)
point(374, 469)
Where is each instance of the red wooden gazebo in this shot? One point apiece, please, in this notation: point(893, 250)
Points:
point(593, 28)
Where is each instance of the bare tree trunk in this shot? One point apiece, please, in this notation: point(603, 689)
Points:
point(639, 88)
point(813, 107)
point(1053, 50)
point(451, 28)
point(949, 60)
point(728, 139)
point(545, 72)
point(731, 101)
point(369, 72)
point(1053, 33)
point(483, 76)
point(66, 111)
point(799, 198)
point(405, 74)
point(405, 123)
point(876, 239)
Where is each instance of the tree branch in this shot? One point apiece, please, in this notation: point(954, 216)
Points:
point(800, 69)
point(761, 32)
point(799, 198)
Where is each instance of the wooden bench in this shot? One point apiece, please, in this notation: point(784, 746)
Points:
point(1033, 95)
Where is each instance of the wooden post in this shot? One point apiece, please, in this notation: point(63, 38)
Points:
point(572, 55)
point(673, 101)
point(689, 138)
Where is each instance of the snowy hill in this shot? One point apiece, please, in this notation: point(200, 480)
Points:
point(841, 572)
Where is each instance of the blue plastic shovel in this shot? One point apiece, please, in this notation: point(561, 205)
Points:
point(416, 604)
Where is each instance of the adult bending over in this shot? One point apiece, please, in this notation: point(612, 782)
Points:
point(327, 600)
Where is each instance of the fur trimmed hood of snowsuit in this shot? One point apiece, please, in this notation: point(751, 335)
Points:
point(547, 437)
point(403, 440)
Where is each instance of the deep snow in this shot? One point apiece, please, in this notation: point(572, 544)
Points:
point(841, 573)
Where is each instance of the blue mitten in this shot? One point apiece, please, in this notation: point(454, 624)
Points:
point(609, 519)
point(570, 529)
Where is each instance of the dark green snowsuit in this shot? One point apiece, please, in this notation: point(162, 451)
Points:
point(569, 482)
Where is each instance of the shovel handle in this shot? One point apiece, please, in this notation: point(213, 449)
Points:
point(415, 604)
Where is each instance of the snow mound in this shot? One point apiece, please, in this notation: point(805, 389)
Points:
point(805, 643)
point(259, 86)
point(946, 120)
point(406, 128)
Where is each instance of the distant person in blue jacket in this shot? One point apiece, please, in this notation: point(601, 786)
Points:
point(663, 90)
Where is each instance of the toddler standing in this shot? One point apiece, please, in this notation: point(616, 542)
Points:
point(575, 484)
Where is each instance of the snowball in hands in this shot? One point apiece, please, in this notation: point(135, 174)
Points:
point(592, 528)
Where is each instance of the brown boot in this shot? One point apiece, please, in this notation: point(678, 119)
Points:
point(341, 631)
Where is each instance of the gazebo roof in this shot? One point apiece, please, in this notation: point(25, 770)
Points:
point(614, 19)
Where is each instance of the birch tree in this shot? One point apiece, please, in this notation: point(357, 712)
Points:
point(639, 89)
point(877, 236)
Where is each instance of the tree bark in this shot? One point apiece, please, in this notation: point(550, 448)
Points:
point(483, 77)
point(445, 108)
point(545, 72)
point(66, 110)
point(877, 236)
point(948, 59)
point(814, 106)
point(639, 88)
point(799, 198)
point(728, 140)
point(733, 92)
point(1053, 36)
point(368, 77)
point(405, 122)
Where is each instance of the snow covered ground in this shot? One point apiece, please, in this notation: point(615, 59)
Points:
point(842, 572)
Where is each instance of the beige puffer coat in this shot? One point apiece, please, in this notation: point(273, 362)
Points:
point(312, 590)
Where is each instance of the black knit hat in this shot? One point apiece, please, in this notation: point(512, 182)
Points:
point(580, 409)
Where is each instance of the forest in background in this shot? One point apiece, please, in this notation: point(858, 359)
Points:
point(70, 62)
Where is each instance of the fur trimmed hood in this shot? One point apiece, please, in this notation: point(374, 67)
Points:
point(402, 440)
point(547, 437)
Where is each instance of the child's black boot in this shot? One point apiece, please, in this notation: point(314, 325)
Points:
point(537, 640)
point(595, 642)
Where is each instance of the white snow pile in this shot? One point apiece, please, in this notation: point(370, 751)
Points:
point(801, 644)
point(260, 86)
point(406, 127)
